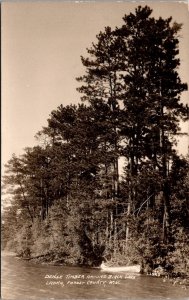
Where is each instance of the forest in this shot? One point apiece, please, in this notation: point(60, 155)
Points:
point(105, 181)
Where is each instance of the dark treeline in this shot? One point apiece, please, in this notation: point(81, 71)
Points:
point(69, 201)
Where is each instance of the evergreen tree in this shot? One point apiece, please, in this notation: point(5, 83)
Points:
point(152, 107)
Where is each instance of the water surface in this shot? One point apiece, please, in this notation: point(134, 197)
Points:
point(26, 280)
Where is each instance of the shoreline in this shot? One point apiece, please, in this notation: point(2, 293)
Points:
point(44, 259)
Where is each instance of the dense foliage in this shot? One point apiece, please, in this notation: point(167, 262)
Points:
point(69, 202)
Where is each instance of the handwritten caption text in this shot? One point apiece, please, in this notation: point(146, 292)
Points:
point(83, 279)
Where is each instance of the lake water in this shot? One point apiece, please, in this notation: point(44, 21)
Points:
point(27, 280)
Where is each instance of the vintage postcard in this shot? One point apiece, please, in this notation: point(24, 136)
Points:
point(95, 157)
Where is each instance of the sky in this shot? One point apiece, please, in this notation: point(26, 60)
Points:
point(41, 47)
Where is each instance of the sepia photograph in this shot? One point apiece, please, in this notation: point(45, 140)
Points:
point(95, 150)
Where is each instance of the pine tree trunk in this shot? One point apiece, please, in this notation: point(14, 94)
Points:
point(165, 187)
point(111, 228)
point(166, 213)
point(127, 226)
point(115, 236)
point(107, 228)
